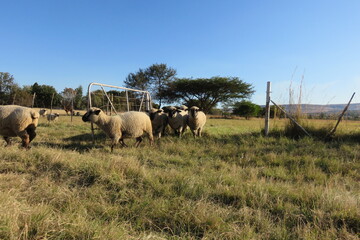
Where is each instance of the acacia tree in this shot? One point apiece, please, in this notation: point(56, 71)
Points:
point(154, 78)
point(207, 92)
point(137, 80)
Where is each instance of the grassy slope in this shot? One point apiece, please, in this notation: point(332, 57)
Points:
point(231, 184)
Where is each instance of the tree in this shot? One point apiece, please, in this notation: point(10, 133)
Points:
point(155, 77)
point(138, 80)
point(206, 93)
point(22, 96)
point(79, 101)
point(247, 109)
point(44, 94)
point(7, 87)
point(68, 96)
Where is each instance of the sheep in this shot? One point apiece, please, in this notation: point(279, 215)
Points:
point(184, 108)
point(18, 121)
point(196, 121)
point(159, 121)
point(43, 112)
point(125, 125)
point(53, 117)
point(177, 120)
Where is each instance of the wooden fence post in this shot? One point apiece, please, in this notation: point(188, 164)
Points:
point(33, 100)
point(267, 109)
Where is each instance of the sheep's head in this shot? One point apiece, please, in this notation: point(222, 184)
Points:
point(194, 111)
point(183, 107)
point(173, 112)
point(153, 112)
point(92, 115)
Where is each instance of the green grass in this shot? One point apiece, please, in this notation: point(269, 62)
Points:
point(233, 183)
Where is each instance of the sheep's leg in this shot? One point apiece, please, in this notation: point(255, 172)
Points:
point(184, 129)
point(151, 138)
point(199, 132)
point(114, 141)
point(31, 131)
point(8, 141)
point(123, 144)
point(193, 132)
point(138, 141)
point(180, 131)
point(25, 139)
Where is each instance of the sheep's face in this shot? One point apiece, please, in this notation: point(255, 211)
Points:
point(92, 115)
point(173, 113)
point(153, 112)
point(194, 111)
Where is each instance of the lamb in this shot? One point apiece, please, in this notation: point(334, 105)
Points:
point(125, 125)
point(196, 121)
point(18, 121)
point(43, 112)
point(53, 117)
point(177, 120)
point(159, 121)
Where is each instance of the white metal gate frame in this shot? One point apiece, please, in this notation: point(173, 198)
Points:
point(146, 96)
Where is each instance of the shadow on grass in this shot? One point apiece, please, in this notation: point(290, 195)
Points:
point(80, 143)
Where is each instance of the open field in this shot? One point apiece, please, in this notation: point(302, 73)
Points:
point(231, 184)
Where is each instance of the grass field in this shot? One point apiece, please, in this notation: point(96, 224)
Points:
point(233, 183)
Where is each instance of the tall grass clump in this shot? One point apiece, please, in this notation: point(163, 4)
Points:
point(308, 128)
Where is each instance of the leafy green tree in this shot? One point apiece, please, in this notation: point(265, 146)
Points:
point(7, 87)
point(246, 109)
point(206, 93)
point(154, 78)
point(79, 100)
point(44, 94)
point(274, 112)
point(22, 96)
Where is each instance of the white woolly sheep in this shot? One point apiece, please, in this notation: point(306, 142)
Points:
point(177, 120)
point(159, 121)
point(43, 112)
point(18, 121)
point(53, 117)
point(196, 121)
point(125, 125)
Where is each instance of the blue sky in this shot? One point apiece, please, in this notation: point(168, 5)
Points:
point(71, 43)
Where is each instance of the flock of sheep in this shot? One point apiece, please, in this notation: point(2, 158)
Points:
point(22, 122)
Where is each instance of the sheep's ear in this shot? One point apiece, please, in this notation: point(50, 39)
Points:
point(178, 110)
point(97, 112)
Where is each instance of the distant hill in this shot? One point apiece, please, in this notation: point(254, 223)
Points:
point(330, 108)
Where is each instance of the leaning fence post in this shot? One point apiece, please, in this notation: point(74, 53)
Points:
point(267, 109)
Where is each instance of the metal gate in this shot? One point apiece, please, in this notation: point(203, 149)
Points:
point(126, 99)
